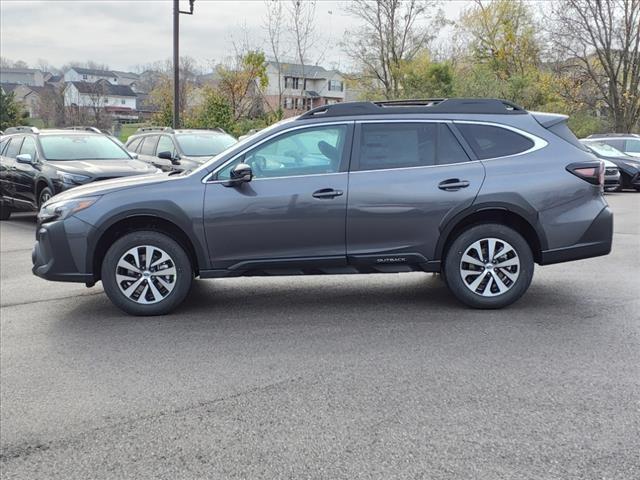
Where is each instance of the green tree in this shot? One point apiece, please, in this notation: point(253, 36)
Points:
point(422, 78)
point(243, 81)
point(11, 113)
point(214, 111)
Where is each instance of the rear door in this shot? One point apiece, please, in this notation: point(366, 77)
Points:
point(405, 178)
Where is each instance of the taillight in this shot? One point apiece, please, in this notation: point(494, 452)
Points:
point(592, 172)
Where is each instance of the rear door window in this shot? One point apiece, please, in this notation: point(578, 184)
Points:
point(3, 144)
point(148, 147)
point(405, 145)
point(489, 141)
point(14, 147)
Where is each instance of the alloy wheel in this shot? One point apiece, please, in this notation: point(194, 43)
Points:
point(490, 267)
point(146, 274)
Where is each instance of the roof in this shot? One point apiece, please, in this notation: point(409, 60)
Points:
point(54, 79)
point(92, 71)
point(9, 87)
point(132, 75)
point(310, 71)
point(18, 70)
point(109, 88)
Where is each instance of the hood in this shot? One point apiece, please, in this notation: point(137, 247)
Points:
point(106, 186)
point(104, 168)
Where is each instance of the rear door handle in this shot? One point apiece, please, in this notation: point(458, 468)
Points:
point(327, 193)
point(453, 184)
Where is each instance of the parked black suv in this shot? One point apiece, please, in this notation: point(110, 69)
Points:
point(180, 150)
point(478, 190)
point(38, 164)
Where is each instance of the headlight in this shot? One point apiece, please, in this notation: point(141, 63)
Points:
point(62, 209)
point(73, 178)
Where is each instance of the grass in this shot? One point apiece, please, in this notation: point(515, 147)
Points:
point(129, 129)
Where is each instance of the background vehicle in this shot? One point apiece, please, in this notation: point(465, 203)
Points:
point(38, 164)
point(180, 150)
point(628, 143)
point(628, 166)
point(477, 189)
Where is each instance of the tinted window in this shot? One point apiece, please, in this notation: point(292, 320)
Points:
point(397, 145)
point(81, 147)
point(148, 146)
point(632, 146)
point(29, 146)
point(449, 149)
point(302, 152)
point(133, 146)
point(488, 141)
point(3, 144)
point(204, 144)
point(616, 143)
point(165, 144)
point(14, 147)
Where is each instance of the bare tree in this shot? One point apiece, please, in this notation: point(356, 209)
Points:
point(51, 108)
point(273, 25)
point(393, 32)
point(302, 17)
point(602, 39)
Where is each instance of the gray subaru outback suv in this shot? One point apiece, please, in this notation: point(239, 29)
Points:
point(476, 189)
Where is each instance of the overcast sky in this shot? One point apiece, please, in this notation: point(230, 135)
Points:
point(126, 33)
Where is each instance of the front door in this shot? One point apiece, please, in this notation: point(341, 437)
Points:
point(405, 179)
point(293, 209)
point(8, 166)
point(25, 174)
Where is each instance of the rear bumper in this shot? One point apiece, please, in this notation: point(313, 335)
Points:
point(595, 242)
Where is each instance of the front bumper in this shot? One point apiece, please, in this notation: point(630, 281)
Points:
point(596, 241)
point(60, 251)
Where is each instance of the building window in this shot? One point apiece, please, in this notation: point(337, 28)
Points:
point(123, 101)
point(292, 82)
point(84, 77)
point(336, 85)
point(106, 100)
point(288, 103)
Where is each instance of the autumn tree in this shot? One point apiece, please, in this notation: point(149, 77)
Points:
point(391, 33)
point(242, 81)
point(601, 40)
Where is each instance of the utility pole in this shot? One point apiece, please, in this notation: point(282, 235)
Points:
point(176, 58)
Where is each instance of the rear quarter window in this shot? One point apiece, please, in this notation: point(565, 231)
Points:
point(134, 144)
point(489, 141)
point(14, 147)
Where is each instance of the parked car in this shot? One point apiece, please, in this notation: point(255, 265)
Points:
point(628, 166)
point(628, 143)
point(178, 150)
point(38, 164)
point(478, 190)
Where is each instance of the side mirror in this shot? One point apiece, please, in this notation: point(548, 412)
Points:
point(25, 158)
point(169, 156)
point(241, 173)
point(133, 155)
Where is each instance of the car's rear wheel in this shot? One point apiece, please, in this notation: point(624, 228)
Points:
point(146, 273)
point(489, 266)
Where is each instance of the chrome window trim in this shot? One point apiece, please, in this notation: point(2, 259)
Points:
point(206, 178)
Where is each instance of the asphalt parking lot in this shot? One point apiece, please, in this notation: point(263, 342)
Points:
point(380, 376)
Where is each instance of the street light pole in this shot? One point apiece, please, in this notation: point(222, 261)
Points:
point(176, 58)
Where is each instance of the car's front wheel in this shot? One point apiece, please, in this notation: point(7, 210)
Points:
point(489, 266)
point(146, 273)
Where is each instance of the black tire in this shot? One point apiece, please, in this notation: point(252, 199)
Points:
point(44, 195)
point(178, 256)
point(453, 267)
point(5, 211)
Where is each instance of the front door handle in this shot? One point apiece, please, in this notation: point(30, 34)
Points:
point(453, 184)
point(327, 193)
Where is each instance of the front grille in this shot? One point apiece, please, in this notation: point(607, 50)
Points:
point(611, 171)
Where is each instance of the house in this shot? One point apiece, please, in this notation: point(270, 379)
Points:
point(23, 76)
point(127, 78)
point(30, 97)
point(119, 101)
point(78, 74)
point(302, 87)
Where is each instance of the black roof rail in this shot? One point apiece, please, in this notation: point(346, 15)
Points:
point(429, 105)
point(84, 128)
point(154, 129)
point(21, 129)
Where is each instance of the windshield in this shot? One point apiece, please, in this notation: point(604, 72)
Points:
point(81, 147)
point(605, 150)
point(204, 144)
